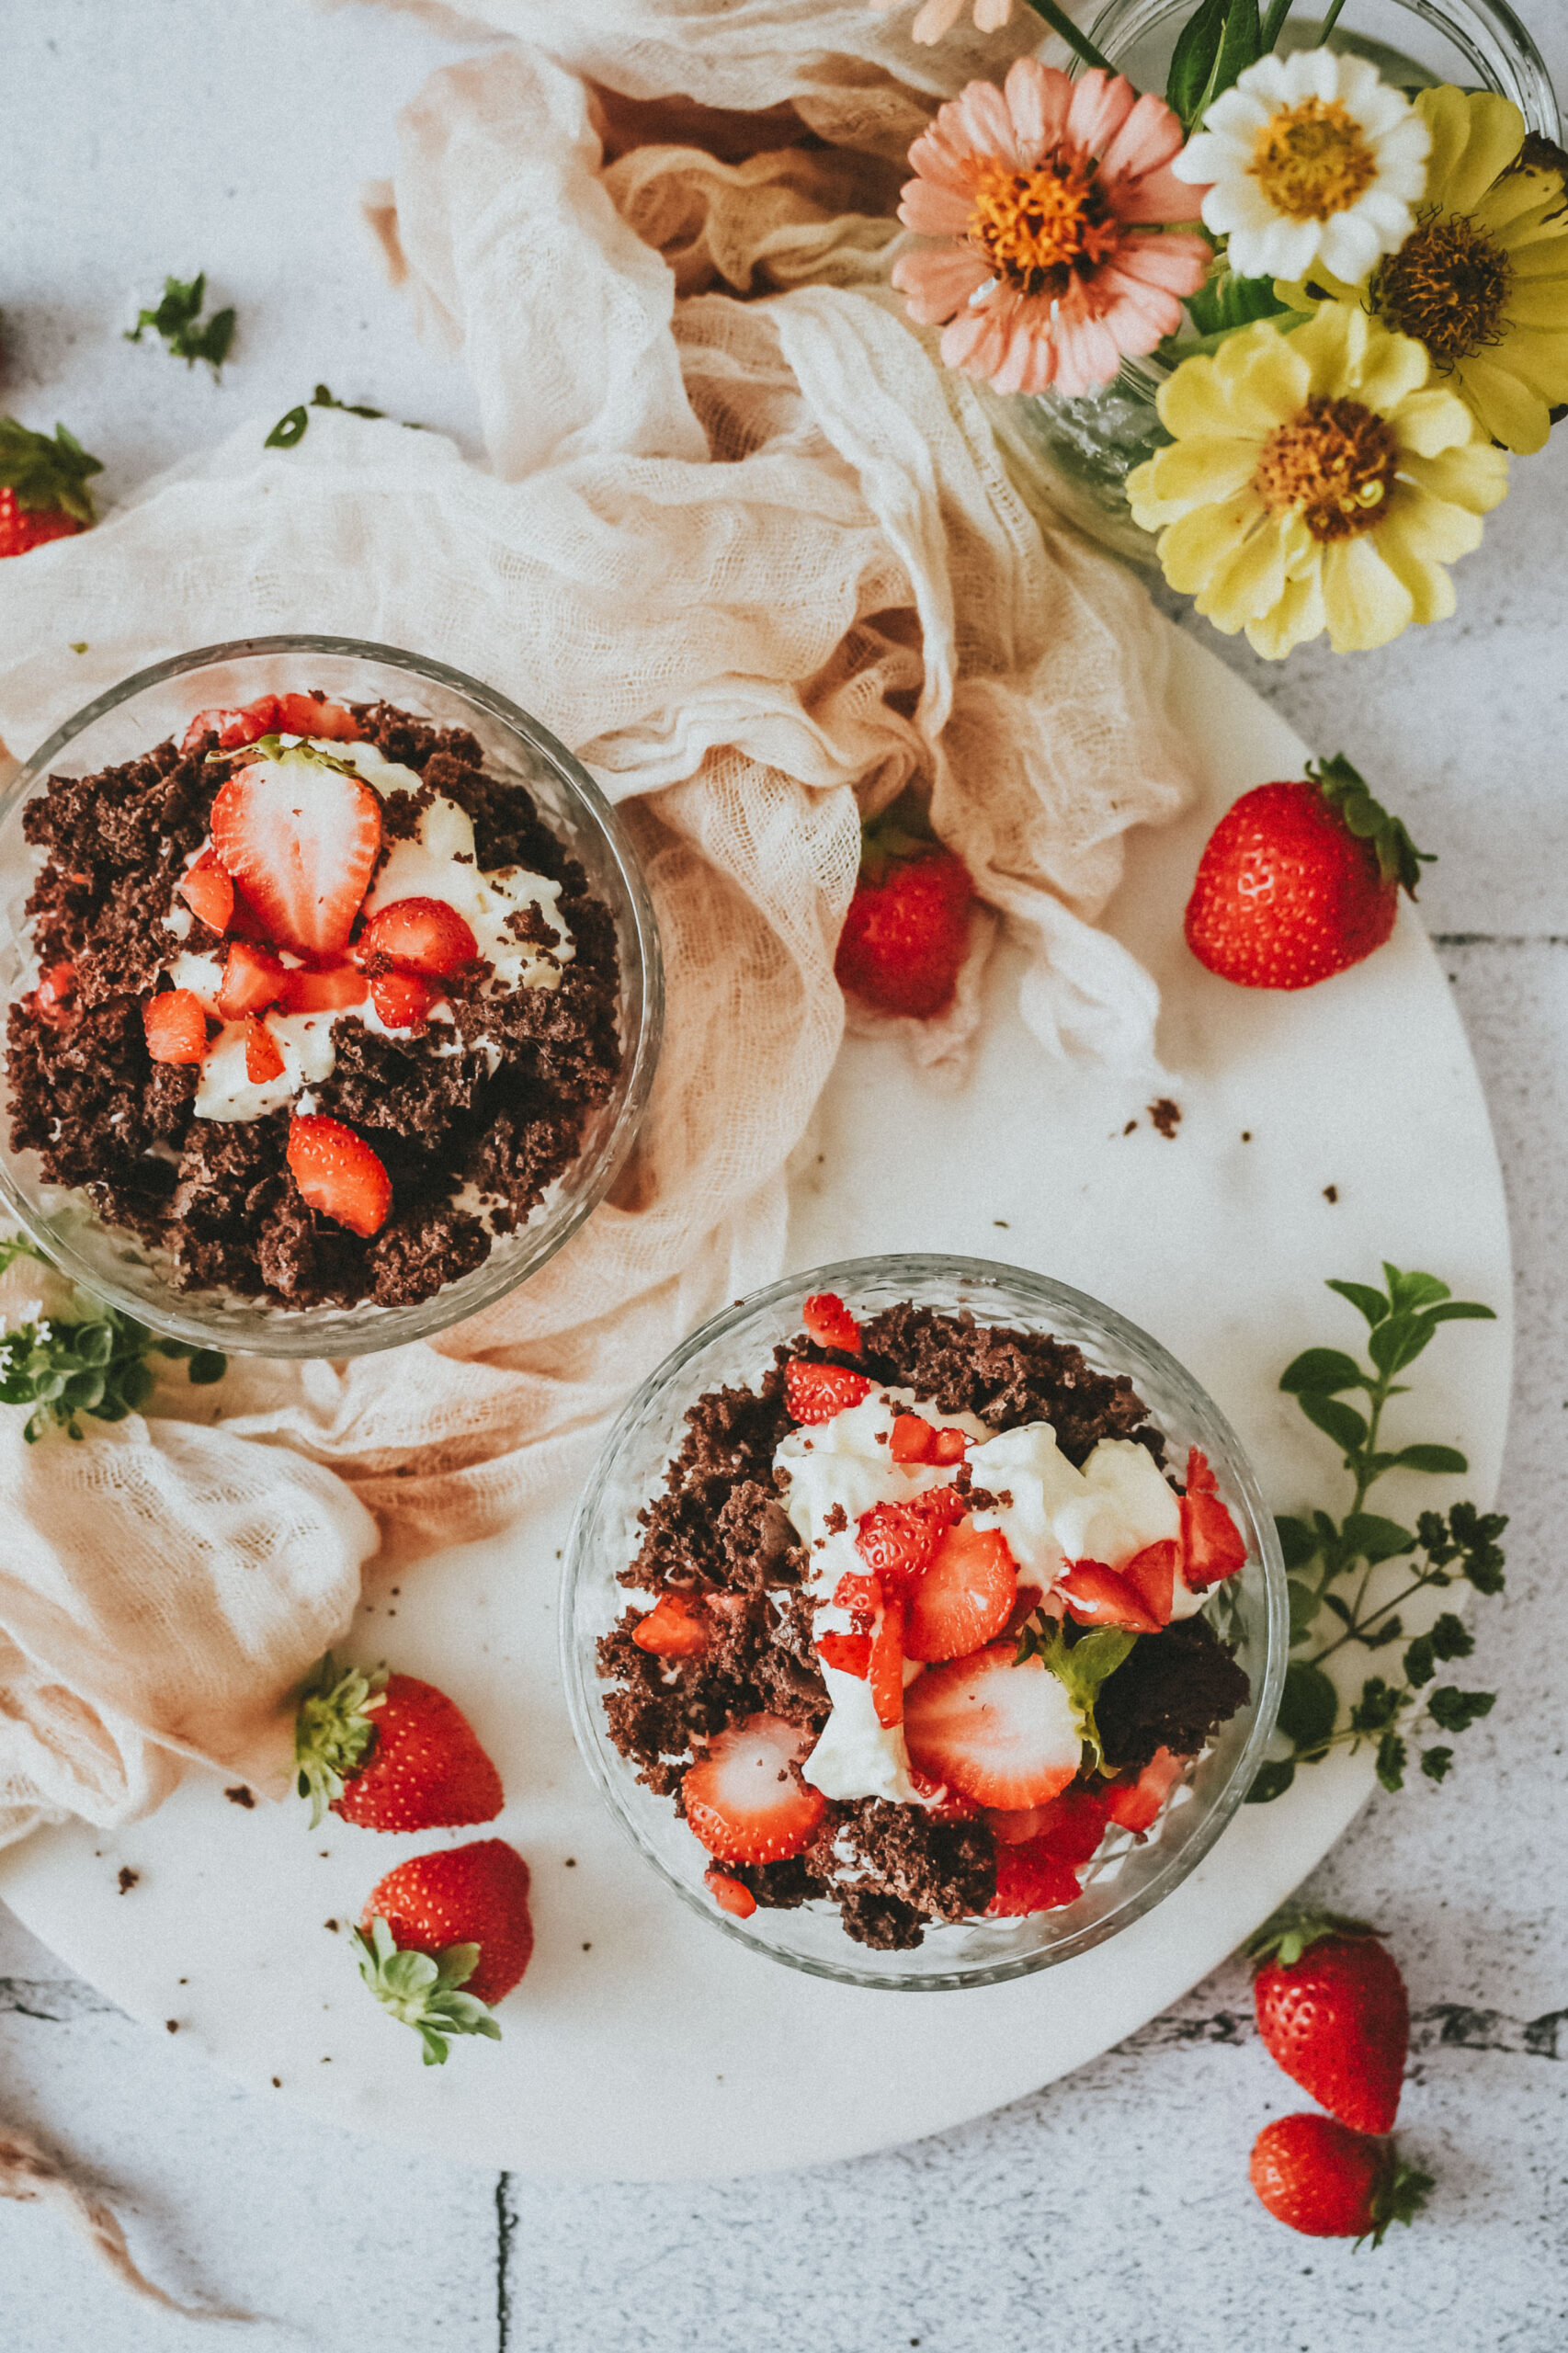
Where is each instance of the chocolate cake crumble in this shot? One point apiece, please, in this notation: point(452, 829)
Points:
point(473, 1120)
point(719, 1539)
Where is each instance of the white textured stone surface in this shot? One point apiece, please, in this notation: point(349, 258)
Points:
point(1110, 2212)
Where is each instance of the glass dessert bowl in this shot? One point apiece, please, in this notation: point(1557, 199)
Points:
point(866, 1680)
point(430, 1081)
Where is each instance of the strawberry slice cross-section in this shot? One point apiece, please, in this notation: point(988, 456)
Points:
point(745, 1798)
point(300, 834)
point(997, 1729)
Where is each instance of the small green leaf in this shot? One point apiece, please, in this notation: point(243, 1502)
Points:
point(1346, 1428)
point(1437, 1460)
point(1452, 1638)
point(1371, 1303)
point(289, 429)
point(1308, 1706)
point(1435, 1763)
point(1391, 1755)
point(1399, 1341)
point(1305, 1602)
point(1367, 1537)
point(1322, 1372)
point(1454, 1711)
point(1193, 60)
point(1420, 1661)
point(1297, 1542)
point(1467, 1310)
point(206, 1365)
point(1272, 1780)
point(1379, 1704)
point(1412, 1289)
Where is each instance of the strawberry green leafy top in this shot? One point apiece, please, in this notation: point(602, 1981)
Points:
point(424, 1990)
point(45, 476)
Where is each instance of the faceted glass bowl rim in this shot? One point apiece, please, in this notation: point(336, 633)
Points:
point(297, 1334)
point(578, 1666)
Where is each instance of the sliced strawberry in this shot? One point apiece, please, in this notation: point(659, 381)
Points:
point(208, 892)
point(745, 1798)
point(1026, 1601)
point(420, 936)
point(911, 1438)
point(254, 978)
point(829, 1323)
point(330, 989)
point(949, 1446)
point(314, 715)
point(1136, 1804)
point(262, 1060)
point(232, 728)
point(730, 1895)
point(1096, 1595)
point(176, 1025)
point(943, 1804)
point(816, 1392)
point(999, 1732)
point(861, 1596)
point(673, 1628)
point(1071, 1826)
point(848, 1654)
point(1213, 1546)
point(402, 1000)
point(886, 1672)
point(899, 1542)
point(52, 998)
point(338, 1174)
point(1029, 1879)
point(964, 1597)
point(1151, 1573)
point(302, 838)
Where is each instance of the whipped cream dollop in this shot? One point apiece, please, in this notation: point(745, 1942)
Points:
point(437, 862)
point(1050, 1512)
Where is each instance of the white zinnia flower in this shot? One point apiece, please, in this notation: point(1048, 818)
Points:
point(1309, 158)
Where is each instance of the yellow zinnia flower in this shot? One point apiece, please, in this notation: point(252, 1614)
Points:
point(1317, 479)
point(1481, 280)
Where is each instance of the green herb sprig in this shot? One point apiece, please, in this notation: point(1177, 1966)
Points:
point(177, 318)
point(1321, 1554)
point(91, 1362)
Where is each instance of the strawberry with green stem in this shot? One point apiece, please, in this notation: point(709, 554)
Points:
point(1319, 2178)
point(1333, 2012)
point(388, 1751)
point(43, 486)
point(446, 1937)
point(906, 933)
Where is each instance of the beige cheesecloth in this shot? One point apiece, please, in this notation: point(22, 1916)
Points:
point(750, 552)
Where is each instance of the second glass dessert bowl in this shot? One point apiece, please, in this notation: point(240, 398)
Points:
point(1129, 1875)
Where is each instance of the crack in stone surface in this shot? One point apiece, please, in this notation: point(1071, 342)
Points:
point(55, 2000)
point(1443, 2026)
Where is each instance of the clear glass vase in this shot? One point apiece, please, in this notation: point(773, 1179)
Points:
point(1071, 457)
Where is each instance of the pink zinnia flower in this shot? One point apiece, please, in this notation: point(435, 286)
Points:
point(1050, 193)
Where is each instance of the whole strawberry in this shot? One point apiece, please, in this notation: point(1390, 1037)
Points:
point(43, 492)
point(1300, 880)
point(907, 930)
point(1328, 2182)
point(1333, 2013)
point(445, 1936)
point(388, 1752)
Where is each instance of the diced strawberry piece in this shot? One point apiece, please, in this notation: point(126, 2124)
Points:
point(338, 1174)
point(745, 1798)
point(254, 978)
point(1151, 1573)
point(402, 1000)
point(262, 1060)
point(1030, 1880)
point(829, 1323)
point(730, 1895)
point(330, 989)
point(816, 1392)
point(314, 715)
point(911, 1438)
point(1026, 1601)
point(1096, 1595)
point(998, 1730)
point(1213, 1546)
point(176, 1027)
point(886, 1672)
point(941, 1803)
point(849, 1653)
point(1071, 1826)
point(301, 839)
point(208, 892)
point(899, 1540)
point(863, 1595)
point(1200, 1480)
point(949, 1446)
point(420, 936)
point(1136, 1804)
point(964, 1597)
point(672, 1628)
point(54, 995)
point(232, 728)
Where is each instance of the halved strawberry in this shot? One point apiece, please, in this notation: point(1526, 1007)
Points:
point(730, 1895)
point(1096, 1595)
point(1151, 1573)
point(673, 1628)
point(745, 1798)
point(1029, 1879)
point(941, 1803)
point(262, 1060)
point(176, 1027)
point(964, 1597)
point(848, 1654)
point(314, 715)
point(254, 978)
point(232, 728)
point(999, 1731)
point(949, 1446)
point(1135, 1804)
point(886, 1671)
point(816, 1392)
point(1211, 1545)
point(208, 892)
point(911, 1438)
point(829, 1323)
point(329, 989)
point(421, 935)
point(302, 838)
point(338, 1174)
point(899, 1542)
point(402, 1000)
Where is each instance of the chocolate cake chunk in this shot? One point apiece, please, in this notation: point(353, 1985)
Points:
point(1172, 1691)
point(1006, 1377)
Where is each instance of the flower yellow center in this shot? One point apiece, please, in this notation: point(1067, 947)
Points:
point(1312, 160)
point(1446, 286)
point(1034, 229)
point(1333, 465)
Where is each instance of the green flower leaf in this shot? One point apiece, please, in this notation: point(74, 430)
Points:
point(1455, 1710)
point(1437, 1460)
point(1081, 1667)
point(1367, 1537)
point(1193, 60)
point(1308, 1706)
point(1370, 1302)
point(1346, 1428)
point(1271, 1780)
point(1391, 1759)
point(177, 317)
point(1305, 1602)
point(1435, 1763)
point(1321, 1372)
point(1297, 1542)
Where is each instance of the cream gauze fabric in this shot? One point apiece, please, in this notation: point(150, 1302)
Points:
point(750, 553)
